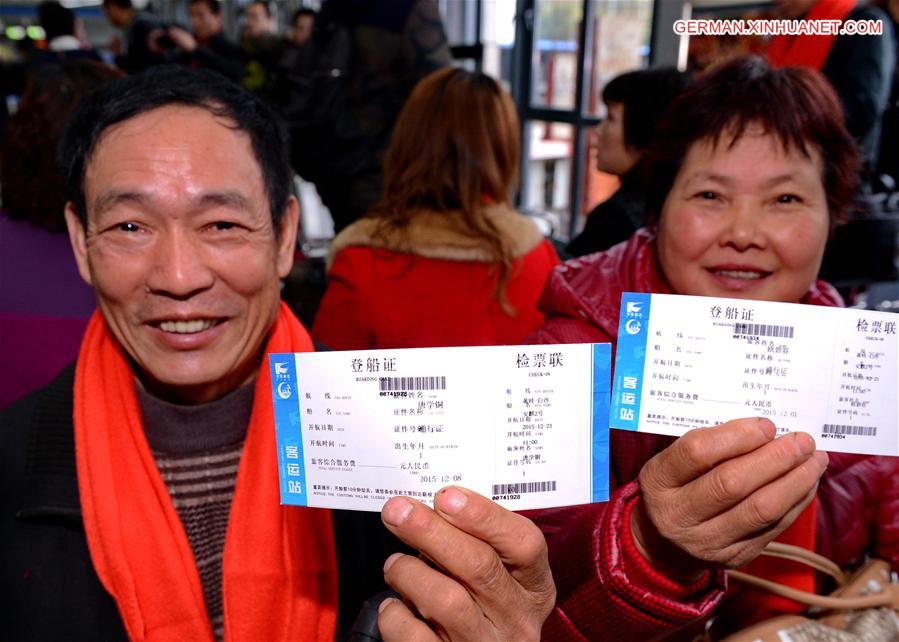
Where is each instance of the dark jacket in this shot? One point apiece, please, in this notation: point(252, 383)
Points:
point(393, 45)
point(889, 136)
point(614, 220)
point(218, 54)
point(860, 68)
point(48, 585)
point(137, 55)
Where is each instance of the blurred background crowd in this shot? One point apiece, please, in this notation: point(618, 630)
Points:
point(588, 81)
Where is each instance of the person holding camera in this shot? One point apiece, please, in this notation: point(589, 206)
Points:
point(205, 46)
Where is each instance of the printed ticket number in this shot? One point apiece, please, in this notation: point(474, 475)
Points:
point(685, 362)
point(527, 426)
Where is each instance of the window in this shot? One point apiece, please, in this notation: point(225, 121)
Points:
point(568, 50)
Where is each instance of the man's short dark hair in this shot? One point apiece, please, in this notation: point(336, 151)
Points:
point(121, 4)
point(214, 6)
point(299, 13)
point(166, 85)
point(264, 4)
point(56, 19)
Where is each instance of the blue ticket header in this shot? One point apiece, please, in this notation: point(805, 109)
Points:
point(630, 359)
point(288, 429)
point(602, 363)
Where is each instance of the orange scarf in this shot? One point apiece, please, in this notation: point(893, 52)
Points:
point(808, 50)
point(279, 569)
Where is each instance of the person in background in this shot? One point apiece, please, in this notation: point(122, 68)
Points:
point(442, 259)
point(301, 26)
point(860, 67)
point(63, 44)
point(206, 45)
point(635, 102)
point(889, 138)
point(258, 20)
point(266, 54)
point(740, 199)
point(44, 305)
point(140, 495)
point(133, 52)
point(392, 44)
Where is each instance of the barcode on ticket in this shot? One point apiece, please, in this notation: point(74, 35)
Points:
point(523, 487)
point(838, 429)
point(391, 384)
point(763, 330)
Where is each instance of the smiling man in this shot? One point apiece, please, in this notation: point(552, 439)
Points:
point(140, 491)
point(181, 249)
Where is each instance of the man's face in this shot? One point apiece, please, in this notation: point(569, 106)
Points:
point(203, 22)
point(256, 21)
point(302, 29)
point(181, 251)
point(117, 16)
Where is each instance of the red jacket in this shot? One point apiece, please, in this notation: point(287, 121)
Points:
point(431, 285)
point(606, 590)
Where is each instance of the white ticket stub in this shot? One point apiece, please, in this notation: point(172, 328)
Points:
point(526, 426)
point(684, 362)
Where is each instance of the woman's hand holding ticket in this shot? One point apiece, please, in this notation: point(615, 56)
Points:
point(718, 495)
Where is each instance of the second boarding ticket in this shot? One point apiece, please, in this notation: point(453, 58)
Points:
point(526, 426)
point(686, 362)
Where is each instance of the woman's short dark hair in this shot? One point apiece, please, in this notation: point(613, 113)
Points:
point(645, 95)
point(166, 85)
point(795, 104)
point(34, 187)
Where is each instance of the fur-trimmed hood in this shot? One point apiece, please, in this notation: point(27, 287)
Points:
point(441, 235)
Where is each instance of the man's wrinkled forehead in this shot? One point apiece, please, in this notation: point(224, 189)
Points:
point(214, 110)
point(160, 121)
point(169, 144)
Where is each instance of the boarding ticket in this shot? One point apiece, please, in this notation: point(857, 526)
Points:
point(526, 426)
point(684, 362)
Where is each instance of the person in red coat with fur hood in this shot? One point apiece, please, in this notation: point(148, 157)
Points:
point(443, 259)
point(742, 198)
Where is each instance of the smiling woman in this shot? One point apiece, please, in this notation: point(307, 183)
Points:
point(749, 170)
point(740, 199)
point(745, 218)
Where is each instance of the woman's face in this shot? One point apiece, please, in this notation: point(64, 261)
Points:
point(746, 220)
point(613, 156)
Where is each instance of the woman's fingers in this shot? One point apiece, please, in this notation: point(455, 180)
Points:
point(731, 482)
point(745, 550)
point(702, 449)
point(719, 495)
